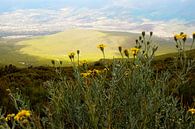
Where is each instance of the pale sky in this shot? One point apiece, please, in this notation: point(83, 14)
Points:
point(164, 17)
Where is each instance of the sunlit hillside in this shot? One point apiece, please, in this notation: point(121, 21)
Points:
point(57, 46)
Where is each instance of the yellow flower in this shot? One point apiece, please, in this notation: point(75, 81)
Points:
point(134, 51)
point(184, 35)
point(180, 36)
point(9, 116)
point(101, 47)
point(95, 71)
point(192, 110)
point(72, 54)
point(22, 115)
point(83, 63)
point(85, 75)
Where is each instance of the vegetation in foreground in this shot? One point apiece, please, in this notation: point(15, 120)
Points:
point(126, 93)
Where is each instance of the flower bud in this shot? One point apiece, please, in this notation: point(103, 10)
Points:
point(175, 38)
point(143, 33)
point(78, 52)
point(136, 41)
point(126, 53)
point(151, 33)
point(61, 62)
point(193, 35)
point(120, 49)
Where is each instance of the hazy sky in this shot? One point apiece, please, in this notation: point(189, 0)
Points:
point(164, 17)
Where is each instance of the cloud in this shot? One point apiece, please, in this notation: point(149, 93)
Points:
point(33, 21)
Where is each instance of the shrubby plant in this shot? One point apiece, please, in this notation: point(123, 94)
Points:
point(22, 119)
point(128, 94)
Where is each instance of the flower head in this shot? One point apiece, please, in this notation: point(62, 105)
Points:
point(9, 116)
point(184, 37)
point(96, 71)
point(101, 47)
point(71, 55)
point(85, 75)
point(92, 73)
point(83, 62)
point(23, 114)
point(134, 51)
point(192, 110)
point(180, 36)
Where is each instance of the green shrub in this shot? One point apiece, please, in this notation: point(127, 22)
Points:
point(130, 95)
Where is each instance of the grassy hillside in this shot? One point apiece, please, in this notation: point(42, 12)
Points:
point(10, 54)
point(41, 50)
point(57, 46)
